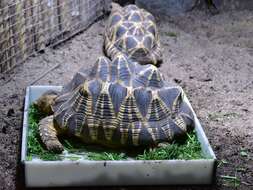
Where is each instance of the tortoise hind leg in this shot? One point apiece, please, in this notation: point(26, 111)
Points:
point(48, 134)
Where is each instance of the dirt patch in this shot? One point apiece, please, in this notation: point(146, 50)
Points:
point(211, 57)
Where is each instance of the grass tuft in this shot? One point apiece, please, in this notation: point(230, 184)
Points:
point(171, 34)
point(191, 148)
point(230, 181)
point(106, 156)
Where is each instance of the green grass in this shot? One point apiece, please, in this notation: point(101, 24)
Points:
point(230, 181)
point(107, 156)
point(190, 149)
point(171, 34)
point(244, 152)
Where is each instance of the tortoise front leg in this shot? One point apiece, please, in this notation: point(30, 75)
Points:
point(48, 134)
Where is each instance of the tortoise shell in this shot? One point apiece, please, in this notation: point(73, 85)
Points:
point(122, 103)
point(132, 31)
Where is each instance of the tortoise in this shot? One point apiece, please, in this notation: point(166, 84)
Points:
point(132, 31)
point(117, 104)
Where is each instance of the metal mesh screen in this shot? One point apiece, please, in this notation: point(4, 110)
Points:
point(27, 26)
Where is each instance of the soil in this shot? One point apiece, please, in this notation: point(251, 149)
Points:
point(210, 56)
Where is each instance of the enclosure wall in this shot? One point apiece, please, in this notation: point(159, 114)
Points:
point(27, 26)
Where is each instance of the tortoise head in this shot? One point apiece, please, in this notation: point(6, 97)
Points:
point(45, 102)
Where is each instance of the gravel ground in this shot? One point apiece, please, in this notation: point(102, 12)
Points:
point(211, 57)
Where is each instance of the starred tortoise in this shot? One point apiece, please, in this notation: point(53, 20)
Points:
point(117, 103)
point(132, 31)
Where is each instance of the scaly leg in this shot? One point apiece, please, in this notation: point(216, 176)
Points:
point(48, 134)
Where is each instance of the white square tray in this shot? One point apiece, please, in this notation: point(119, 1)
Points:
point(100, 173)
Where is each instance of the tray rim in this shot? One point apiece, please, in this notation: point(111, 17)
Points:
point(25, 127)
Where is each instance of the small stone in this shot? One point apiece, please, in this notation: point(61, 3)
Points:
point(207, 80)
point(88, 46)
point(245, 110)
point(13, 96)
point(178, 81)
point(10, 112)
point(4, 130)
point(217, 147)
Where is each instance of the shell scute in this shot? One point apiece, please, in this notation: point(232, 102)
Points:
point(117, 93)
point(143, 98)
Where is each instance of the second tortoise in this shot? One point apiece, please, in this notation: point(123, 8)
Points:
point(132, 31)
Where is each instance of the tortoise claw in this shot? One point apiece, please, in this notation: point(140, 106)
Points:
point(163, 145)
point(54, 146)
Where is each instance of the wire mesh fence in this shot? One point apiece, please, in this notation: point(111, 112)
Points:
point(27, 26)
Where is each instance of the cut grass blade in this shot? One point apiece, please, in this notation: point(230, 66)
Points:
point(231, 180)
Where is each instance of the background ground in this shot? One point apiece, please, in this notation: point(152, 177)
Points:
point(211, 57)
